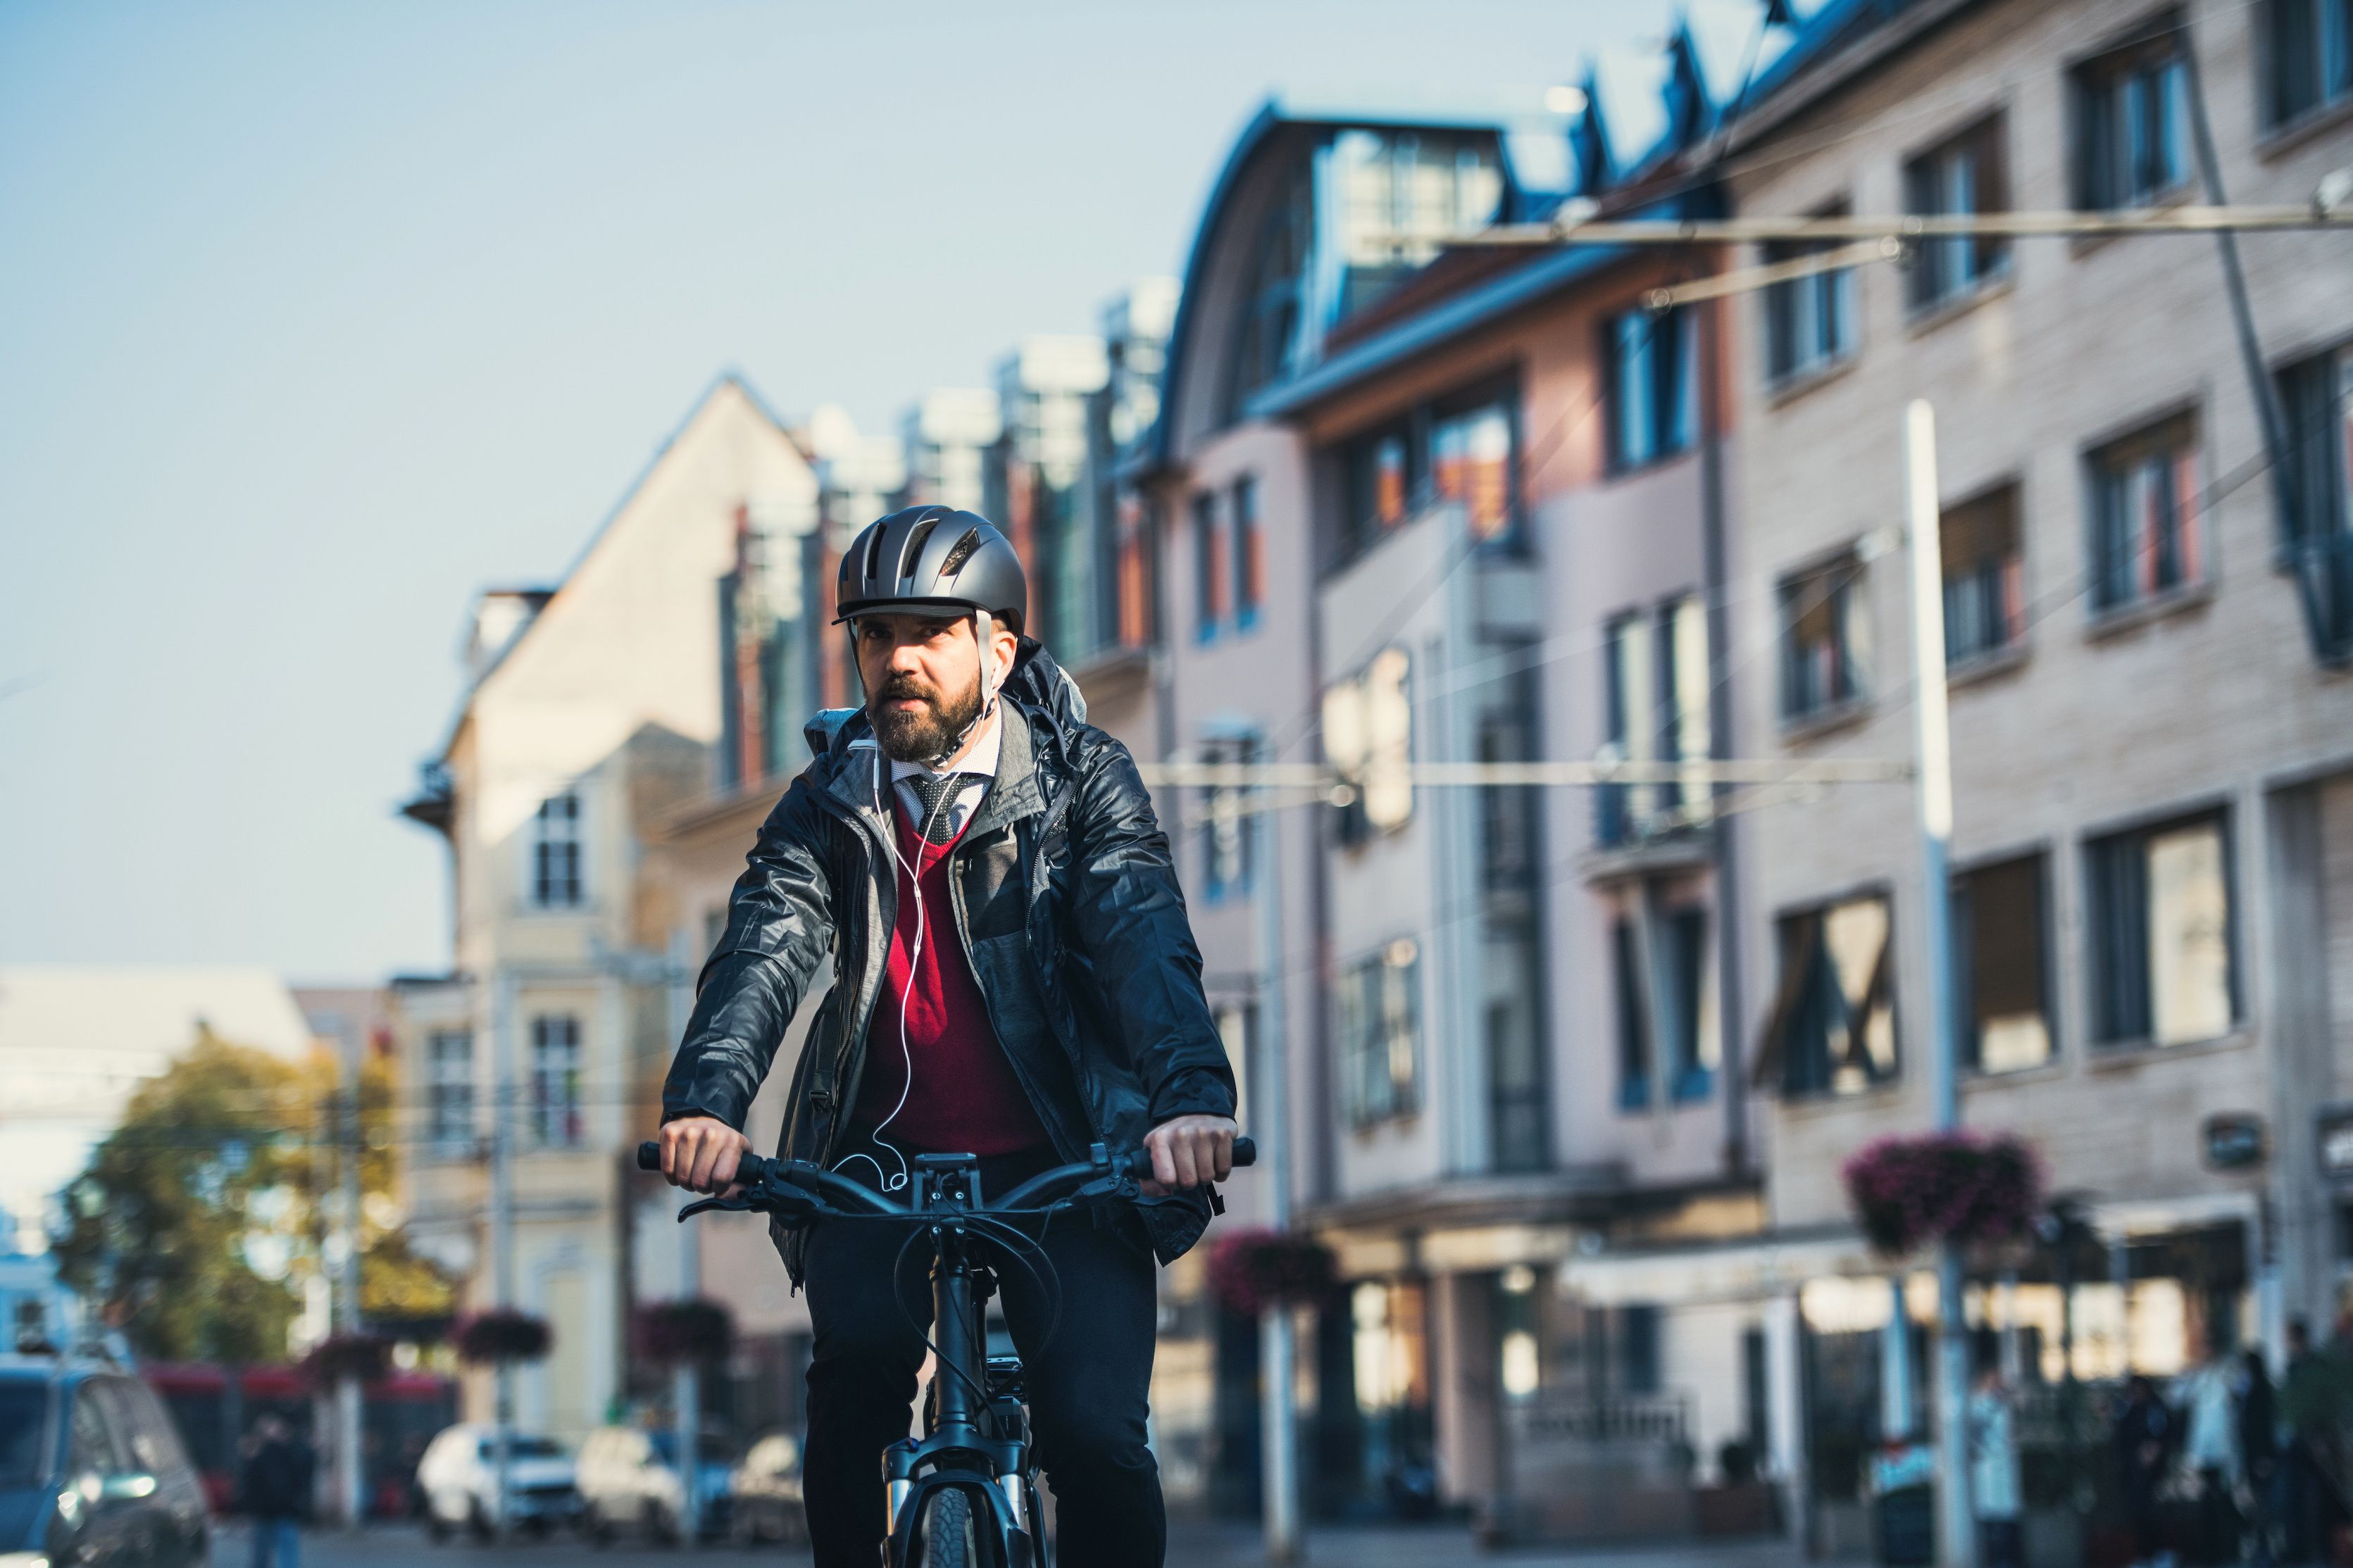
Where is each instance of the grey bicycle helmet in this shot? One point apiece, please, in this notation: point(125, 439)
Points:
point(932, 557)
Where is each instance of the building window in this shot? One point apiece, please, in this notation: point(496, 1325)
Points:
point(2145, 517)
point(1633, 1018)
point(556, 853)
point(1832, 1027)
point(1471, 462)
point(1650, 403)
point(1825, 638)
point(2160, 934)
point(1383, 477)
point(1381, 1035)
point(1208, 576)
point(1810, 322)
point(1368, 739)
point(2001, 989)
point(1668, 1005)
point(1654, 709)
point(1226, 826)
point(555, 1080)
point(1639, 1370)
point(1985, 576)
point(1960, 177)
point(2316, 399)
point(449, 1086)
point(1249, 554)
point(2310, 52)
point(2132, 123)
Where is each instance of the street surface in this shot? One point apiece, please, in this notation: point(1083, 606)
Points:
point(1221, 1545)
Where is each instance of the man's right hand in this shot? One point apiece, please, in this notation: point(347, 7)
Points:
point(700, 1154)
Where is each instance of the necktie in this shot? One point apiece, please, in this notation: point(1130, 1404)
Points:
point(937, 793)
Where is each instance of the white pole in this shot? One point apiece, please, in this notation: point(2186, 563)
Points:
point(1956, 1519)
point(503, 1257)
point(1279, 1426)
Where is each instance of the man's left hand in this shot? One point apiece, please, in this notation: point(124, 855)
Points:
point(1189, 1151)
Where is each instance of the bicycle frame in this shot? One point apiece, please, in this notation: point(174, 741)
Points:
point(976, 1437)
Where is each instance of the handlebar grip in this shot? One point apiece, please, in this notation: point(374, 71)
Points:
point(648, 1156)
point(1245, 1153)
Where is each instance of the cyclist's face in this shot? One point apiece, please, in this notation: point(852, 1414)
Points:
point(922, 680)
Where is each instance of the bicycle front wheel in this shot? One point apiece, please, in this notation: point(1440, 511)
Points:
point(950, 1534)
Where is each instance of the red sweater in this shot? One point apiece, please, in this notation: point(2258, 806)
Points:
point(965, 1099)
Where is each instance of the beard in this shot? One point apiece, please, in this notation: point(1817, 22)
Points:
point(921, 734)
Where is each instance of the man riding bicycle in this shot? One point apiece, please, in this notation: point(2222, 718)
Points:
point(1014, 977)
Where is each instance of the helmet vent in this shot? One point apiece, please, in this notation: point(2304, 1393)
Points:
point(961, 553)
point(917, 537)
point(873, 558)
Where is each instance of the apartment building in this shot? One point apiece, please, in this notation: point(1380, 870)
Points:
point(592, 710)
point(2147, 619)
point(1318, 215)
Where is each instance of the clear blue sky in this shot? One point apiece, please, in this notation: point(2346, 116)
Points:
point(312, 318)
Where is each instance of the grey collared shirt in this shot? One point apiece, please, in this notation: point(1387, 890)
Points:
point(980, 765)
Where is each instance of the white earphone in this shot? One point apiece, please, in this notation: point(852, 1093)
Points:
point(992, 677)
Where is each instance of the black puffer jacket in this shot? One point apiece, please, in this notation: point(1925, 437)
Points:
point(1067, 905)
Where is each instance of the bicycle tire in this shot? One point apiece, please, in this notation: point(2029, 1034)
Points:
point(949, 1533)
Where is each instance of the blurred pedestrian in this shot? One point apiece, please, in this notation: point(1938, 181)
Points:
point(2259, 1453)
point(276, 1492)
point(2309, 1408)
point(2145, 1436)
point(2207, 1397)
point(1993, 1470)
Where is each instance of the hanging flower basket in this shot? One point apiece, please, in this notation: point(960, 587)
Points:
point(487, 1337)
point(670, 1333)
point(338, 1356)
point(1908, 1192)
point(1252, 1270)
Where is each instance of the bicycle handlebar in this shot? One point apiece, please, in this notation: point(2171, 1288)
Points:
point(754, 1170)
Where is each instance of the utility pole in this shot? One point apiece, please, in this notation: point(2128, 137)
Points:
point(352, 1484)
point(503, 1257)
point(686, 1397)
point(1956, 1519)
point(1278, 1422)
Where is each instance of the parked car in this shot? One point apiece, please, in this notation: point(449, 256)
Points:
point(629, 1481)
point(91, 1473)
point(763, 1494)
point(458, 1476)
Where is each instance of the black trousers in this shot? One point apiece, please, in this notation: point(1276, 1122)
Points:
point(1087, 1386)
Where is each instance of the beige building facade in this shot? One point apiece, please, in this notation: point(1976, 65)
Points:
point(593, 710)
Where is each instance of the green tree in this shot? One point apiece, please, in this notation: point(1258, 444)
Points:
point(185, 1226)
point(202, 1214)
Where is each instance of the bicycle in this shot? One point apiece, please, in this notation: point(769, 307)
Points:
point(964, 1494)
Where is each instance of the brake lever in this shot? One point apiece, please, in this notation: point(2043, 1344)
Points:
point(738, 1202)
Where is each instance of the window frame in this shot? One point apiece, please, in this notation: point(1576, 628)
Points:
point(2278, 118)
point(1671, 412)
point(1926, 293)
point(1209, 574)
point(1850, 607)
point(1968, 1030)
point(550, 889)
point(2159, 49)
point(2101, 1038)
point(1835, 301)
point(1233, 747)
point(1373, 1036)
point(2102, 463)
point(573, 1134)
point(2010, 492)
point(1246, 536)
point(447, 1132)
point(1788, 1000)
